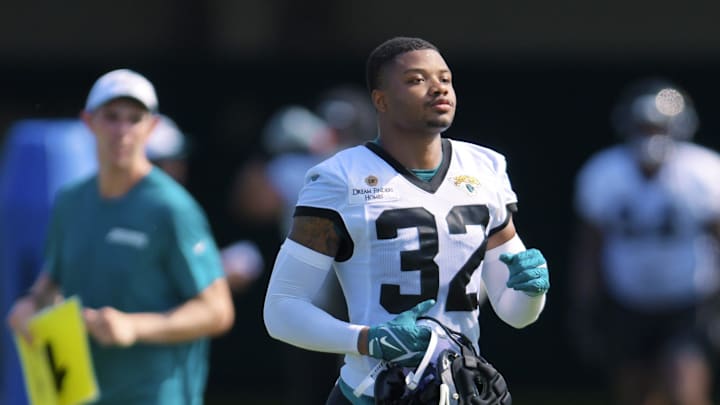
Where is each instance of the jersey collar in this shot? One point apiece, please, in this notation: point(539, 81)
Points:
point(429, 186)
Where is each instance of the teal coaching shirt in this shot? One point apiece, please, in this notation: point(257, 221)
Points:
point(147, 251)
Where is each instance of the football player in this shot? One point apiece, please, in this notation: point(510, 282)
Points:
point(646, 263)
point(410, 222)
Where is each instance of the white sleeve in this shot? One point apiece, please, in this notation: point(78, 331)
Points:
point(325, 187)
point(290, 315)
point(515, 308)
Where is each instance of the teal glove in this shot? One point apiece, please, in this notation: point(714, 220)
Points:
point(401, 340)
point(528, 272)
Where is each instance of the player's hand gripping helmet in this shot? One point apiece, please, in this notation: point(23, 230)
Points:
point(650, 115)
point(451, 372)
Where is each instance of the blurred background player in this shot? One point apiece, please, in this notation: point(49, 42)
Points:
point(297, 138)
point(169, 148)
point(646, 260)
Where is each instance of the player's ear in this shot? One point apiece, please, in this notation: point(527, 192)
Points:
point(86, 117)
point(378, 99)
point(154, 118)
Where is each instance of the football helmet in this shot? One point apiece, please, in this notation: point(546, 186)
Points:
point(295, 129)
point(450, 373)
point(651, 115)
point(347, 109)
point(166, 141)
point(655, 106)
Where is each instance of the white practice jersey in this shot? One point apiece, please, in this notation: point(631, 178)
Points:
point(657, 251)
point(410, 240)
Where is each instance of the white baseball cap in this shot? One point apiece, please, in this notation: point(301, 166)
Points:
point(122, 83)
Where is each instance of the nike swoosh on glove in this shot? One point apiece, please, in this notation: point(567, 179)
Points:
point(401, 340)
point(528, 272)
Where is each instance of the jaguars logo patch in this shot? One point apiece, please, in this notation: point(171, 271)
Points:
point(466, 182)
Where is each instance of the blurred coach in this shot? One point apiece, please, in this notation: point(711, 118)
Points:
point(137, 249)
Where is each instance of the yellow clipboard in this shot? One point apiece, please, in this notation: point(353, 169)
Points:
point(57, 366)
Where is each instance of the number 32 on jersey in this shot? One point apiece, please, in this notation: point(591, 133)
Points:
point(423, 259)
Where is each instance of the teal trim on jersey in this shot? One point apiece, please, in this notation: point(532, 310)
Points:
point(147, 251)
point(422, 174)
point(348, 392)
point(425, 174)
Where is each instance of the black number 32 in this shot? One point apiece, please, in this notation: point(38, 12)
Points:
point(423, 259)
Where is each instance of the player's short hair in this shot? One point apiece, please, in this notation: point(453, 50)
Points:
point(386, 53)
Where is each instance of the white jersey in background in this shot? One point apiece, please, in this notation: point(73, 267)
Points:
point(410, 240)
point(657, 253)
